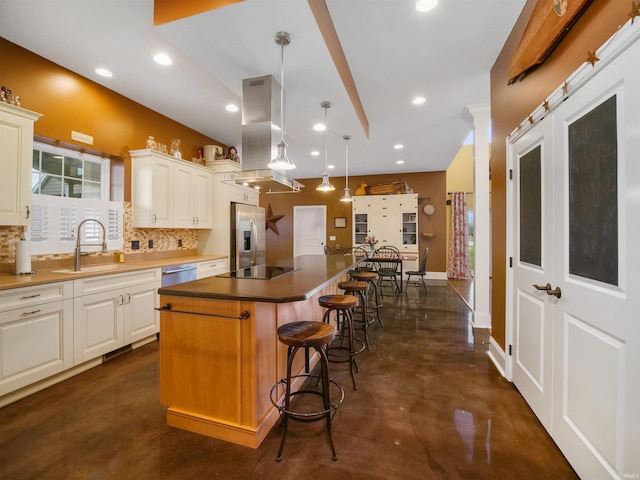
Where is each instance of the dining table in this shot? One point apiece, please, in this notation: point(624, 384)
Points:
point(373, 263)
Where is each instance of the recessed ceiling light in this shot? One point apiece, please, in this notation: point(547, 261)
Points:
point(426, 5)
point(418, 100)
point(399, 162)
point(231, 108)
point(162, 59)
point(103, 72)
point(398, 146)
point(315, 153)
point(319, 127)
point(331, 167)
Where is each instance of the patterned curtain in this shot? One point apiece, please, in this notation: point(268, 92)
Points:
point(459, 266)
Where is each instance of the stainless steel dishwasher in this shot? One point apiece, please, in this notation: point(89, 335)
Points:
point(178, 274)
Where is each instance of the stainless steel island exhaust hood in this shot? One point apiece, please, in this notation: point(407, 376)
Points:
point(260, 133)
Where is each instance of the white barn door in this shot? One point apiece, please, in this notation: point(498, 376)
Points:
point(576, 347)
point(597, 339)
point(534, 264)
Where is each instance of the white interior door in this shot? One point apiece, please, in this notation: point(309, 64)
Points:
point(533, 263)
point(310, 230)
point(597, 339)
point(576, 356)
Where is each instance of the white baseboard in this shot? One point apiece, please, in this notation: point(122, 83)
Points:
point(437, 276)
point(498, 357)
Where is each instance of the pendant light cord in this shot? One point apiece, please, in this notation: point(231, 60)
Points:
point(326, 155)
point(282, 119)
point(346, 145)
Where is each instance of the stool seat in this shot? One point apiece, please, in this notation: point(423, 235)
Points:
point(338, 301)
point(354, 286)
point(364, 276)
point(306, 334)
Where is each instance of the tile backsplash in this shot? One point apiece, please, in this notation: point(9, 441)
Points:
point(149, 240)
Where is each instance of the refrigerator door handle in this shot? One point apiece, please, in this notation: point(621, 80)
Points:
point(254, 243)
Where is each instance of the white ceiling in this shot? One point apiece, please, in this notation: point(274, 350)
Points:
point(394, 53)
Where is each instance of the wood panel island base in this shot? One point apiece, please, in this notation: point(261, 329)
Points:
point(217, 367)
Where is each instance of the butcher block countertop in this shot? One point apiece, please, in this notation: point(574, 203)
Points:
point(52, 275)
point(311, 273)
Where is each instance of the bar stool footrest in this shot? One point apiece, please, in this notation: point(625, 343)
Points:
point(307, 416)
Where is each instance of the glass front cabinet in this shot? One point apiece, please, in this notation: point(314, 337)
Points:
point(392, 219)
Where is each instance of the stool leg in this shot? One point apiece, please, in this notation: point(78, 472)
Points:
point(345, 319)
point(377, 299)
point(291, 352)
point(326, 398)
point(352, 347)
point(365, 319)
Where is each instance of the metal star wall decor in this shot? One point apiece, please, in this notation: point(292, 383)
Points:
point(592, 58)
point(272, 220)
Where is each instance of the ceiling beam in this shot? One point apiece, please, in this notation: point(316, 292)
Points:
point(165, 11)
point(325, 24)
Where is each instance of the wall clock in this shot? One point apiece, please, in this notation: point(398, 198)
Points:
point(429, 209)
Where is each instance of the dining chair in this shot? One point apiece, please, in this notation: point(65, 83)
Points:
point(421, 272)
point(387, 263)
point(327, 250)
point(388, 249)
point(359, 252)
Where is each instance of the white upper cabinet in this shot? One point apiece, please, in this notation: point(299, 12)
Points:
point(392, 219)
point(170, 193)
point(16, 150)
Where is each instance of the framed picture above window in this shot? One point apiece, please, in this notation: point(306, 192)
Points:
point(340, 222)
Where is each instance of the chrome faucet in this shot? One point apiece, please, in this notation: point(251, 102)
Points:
point(76, 265)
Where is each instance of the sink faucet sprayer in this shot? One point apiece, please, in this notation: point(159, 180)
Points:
point(76, 266)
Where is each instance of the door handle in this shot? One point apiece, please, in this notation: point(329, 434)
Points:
point(556, 292)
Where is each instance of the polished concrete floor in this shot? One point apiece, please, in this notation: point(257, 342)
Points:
point(430, 405)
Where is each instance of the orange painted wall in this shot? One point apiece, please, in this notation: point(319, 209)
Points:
point(511, 104)
point(425, 184)
point(71, 102)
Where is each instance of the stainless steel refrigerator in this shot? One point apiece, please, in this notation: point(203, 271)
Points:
point(247, 236)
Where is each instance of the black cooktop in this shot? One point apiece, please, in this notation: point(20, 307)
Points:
point(258, 272)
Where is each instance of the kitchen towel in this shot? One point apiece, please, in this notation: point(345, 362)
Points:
point(23, 256)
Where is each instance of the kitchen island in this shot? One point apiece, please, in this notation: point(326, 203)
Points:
point(219, 349)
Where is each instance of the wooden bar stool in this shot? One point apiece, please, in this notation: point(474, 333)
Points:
point(337, 352)
point(359, 290)
point(305, 334)
point(372, 279)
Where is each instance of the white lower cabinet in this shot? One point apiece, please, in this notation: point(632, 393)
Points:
point(107, 318)
point(36, 339)
point(210, 268)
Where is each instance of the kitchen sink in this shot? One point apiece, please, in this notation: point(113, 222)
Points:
point(91, 269)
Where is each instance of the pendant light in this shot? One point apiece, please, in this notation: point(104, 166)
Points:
point(347, 193)
point(281, 162)
point(325, 186)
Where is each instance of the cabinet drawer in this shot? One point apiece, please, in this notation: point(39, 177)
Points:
point(103, 283)
point(28, 296)
point(211, 268)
